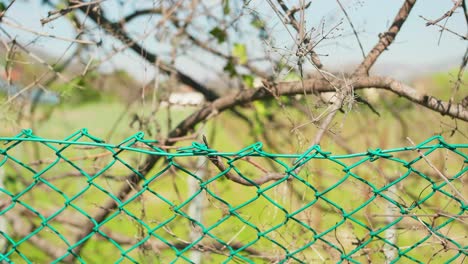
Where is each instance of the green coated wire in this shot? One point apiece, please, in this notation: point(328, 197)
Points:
point(132, 144)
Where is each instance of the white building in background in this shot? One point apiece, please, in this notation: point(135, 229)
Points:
point(186, 99)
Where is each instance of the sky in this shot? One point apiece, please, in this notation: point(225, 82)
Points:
point(417, 47)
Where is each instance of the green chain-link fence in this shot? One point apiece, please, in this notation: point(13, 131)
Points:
point(83, 200)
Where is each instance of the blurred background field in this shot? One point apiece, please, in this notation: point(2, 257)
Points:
point(364, 130)
point(113, 69)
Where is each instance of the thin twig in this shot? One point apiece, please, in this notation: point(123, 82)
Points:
point(446, 14)
point(352, 26)
point(446, 29)
point(439, 173)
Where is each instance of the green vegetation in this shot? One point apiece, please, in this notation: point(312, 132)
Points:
point(227, 133)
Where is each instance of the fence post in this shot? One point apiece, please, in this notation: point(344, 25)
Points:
point(390, 233)
point(196, 206)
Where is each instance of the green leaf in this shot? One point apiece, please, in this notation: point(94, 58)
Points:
point(219, 34)
point(292, 76)
point(260, 107)
point(2, 7)
point(226, 8)
point(230, 68)
point(240, 52)
point(248, 80)
point(258, 23)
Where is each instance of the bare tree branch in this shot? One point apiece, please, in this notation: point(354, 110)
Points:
point(386, 38)
point(116, 30)
point(442, 28)
point(447, 14)
point(352, 27)
point(299, 27)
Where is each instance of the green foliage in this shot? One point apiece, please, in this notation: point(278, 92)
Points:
point(78, 91)
point(292, 76)
point(230, 68)
point(257, 22)
point(240, 52)
point(248, 80)
point(226, 7)
point(442, 84)
point(219, 34)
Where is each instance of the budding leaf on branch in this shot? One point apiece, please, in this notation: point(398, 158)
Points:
point(230, 68)
point(226, 8)
point(292, 76)
point(219, 34)
point(240, 52)
point(248, 80)
point(257, 22)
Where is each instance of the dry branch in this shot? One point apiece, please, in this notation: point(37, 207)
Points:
point(386, 38)
point(269, 176)
point(116, 30)
point(446, 14)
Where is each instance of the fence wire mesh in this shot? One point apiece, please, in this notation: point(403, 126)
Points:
point(83, 200)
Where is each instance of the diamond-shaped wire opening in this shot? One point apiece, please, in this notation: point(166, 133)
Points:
point(431, 249)
point(50, 236)
point(440, 254)
point(151, 249)
point(175, 230)
point(214, 209)
point(378, 214)
point(288, 195)
point(320, 173)
point(128, 160)
point(318, 217)
point(111, 179)
point(262, 214)
point(99, 249)
point(264, 250)
point(408, 234)
point(148, 208)
point(154, 251)
point(318, 252)
point(29, 152)
point(454, 229)
point(44, 198)
point(455, 191)
point(59, 178)
point(68, 223)
point(407, 190)
point(254, 168)
point(17, 178)
point(171, 184)
point(25, 215)
point(349, 195)
point(443, 160)
point(379, 172)
point(436, 204)
point(234, 230)
point(230, 191)
point(213, 250)
point(292, 236)
point(349, 236)
point(121, 225)
point(90, 200)
point(28, 253)
point(375, 250)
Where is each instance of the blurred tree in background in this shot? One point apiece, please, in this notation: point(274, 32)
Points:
point(288, 73)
